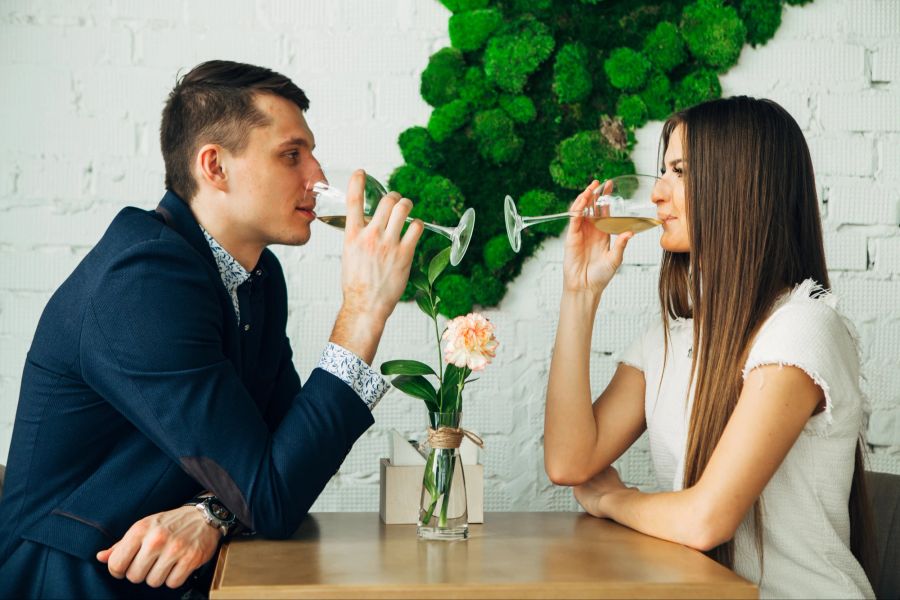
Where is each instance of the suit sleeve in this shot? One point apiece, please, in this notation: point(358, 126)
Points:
point(151, 345)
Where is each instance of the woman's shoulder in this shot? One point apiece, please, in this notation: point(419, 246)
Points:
point(806, 330)
point(808, 316)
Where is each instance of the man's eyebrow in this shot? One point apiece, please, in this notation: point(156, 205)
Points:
point(296, 141)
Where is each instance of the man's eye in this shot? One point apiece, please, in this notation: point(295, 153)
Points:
point(293, 155)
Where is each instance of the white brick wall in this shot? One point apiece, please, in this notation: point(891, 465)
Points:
point(83, 83)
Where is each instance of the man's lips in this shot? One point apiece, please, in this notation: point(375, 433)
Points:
point(308, 211)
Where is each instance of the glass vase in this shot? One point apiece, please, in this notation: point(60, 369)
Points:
point(443, 513)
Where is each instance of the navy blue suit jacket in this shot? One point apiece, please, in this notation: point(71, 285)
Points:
point(141, 389)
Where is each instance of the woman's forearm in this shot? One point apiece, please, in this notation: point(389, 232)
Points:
point(683, 517)
point(569, 429)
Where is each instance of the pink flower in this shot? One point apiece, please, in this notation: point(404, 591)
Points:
point(470, 342)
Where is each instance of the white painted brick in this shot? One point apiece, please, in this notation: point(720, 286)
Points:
point(345, 101)
point(870, 20)
point(36, 271)
point(317, 18)
point(884, 427)
point(886, 254)
point(644, 249)
point(5, 439)
point(26, 93)
point(867, 299)
point(122, 92)
point(20, 312)
point(9, 176)
point(131, 183)
point(818, 20)
point(183, 49)
point(216, 15)
point(35, 226)
point(889, 159)
point(54, 46)
point(874, 111)
point(56, 135)
point(157, 11)
point(256, 48)
point(884, 460)
point(52, 179)
point(58, 12)
point(12, 356)
point(845, 251)
point(374, 15)
point(813, 65)
point(841, 154)
point(862, 202)
point(879, 343)
point(397, 102)
point(886, 63)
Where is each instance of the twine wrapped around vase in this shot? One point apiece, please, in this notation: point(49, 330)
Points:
point(451, 437)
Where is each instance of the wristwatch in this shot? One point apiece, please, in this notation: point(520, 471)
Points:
point(216, 513)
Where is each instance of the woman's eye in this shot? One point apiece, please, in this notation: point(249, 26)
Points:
point(662, 170)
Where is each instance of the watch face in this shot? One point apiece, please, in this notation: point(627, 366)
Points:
point(219, 511)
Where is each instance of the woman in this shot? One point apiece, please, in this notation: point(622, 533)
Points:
point(747, 385)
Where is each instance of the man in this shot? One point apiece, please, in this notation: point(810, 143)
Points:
point(160, 370)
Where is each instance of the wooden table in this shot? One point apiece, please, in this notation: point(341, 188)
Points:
point(513, 555)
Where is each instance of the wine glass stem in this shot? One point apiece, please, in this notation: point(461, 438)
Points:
point(447, 232)
point(528, 221)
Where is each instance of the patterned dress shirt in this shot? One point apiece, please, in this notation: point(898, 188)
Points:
point(337, 360)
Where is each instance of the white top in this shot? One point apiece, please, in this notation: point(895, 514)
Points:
point(806, 525)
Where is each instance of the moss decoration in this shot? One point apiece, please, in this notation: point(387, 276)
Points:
point(534, 98)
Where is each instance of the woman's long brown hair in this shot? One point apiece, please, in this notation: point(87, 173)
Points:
point(755, 232)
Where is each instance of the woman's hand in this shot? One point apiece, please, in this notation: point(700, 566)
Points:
point(589, 262)
point(588, 494)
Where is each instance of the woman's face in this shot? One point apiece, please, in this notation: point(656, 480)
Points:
point(669, 199)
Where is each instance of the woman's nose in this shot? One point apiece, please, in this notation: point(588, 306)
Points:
point(659, 193)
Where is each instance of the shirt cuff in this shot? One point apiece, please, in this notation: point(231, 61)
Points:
point(352, 370)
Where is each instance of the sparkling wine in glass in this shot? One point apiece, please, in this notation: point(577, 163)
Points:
point(620, 204)
point(331, 208)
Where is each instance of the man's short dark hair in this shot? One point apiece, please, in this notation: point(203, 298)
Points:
point(213, 104)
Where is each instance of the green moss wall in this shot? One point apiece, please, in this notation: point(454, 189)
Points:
point(534, 98)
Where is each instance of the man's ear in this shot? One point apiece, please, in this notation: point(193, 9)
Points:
point(210, 163)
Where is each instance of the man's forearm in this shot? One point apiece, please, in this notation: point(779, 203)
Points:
point(358, 332)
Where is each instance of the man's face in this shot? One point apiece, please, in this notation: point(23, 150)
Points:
point(269, 183)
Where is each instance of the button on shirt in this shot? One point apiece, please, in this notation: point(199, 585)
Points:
point(337, 360)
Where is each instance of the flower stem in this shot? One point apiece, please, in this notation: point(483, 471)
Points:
point(437, 334)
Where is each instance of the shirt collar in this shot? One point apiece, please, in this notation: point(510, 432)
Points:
point(231, 271)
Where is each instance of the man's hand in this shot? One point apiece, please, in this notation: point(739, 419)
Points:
point(375, 268)
point(164, 548)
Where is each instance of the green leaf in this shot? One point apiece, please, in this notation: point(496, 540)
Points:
point(406, 367)
point(424, 304)
point(438, 264)
point(417, 387)
point(418, 279)
point(452, 376)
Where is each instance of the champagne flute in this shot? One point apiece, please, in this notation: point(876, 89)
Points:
point(621, 204)
point(331, 208)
